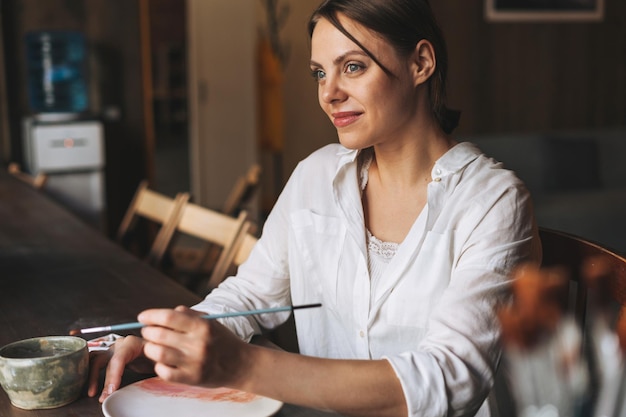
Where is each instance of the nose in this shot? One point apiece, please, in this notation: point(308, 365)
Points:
point(331, 91)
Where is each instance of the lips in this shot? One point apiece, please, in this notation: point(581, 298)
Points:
point(343, 119)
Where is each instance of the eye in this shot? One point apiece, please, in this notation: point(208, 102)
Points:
point(318, 75)
point(353, 67)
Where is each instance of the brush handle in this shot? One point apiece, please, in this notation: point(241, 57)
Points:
point(137, 325)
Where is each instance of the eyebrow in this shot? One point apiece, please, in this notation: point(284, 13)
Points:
point(341, 57)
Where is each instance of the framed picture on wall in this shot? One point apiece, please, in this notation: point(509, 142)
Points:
point(544, 10)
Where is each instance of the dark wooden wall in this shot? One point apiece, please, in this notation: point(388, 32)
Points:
point(533, 77)
point(505, 77)
point(112, 32)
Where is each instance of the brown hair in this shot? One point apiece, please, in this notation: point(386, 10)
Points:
point(402, 23)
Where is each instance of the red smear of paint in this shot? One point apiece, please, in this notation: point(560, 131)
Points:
point(170, 389)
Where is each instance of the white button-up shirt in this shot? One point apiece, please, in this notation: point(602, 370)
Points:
point(433, 313)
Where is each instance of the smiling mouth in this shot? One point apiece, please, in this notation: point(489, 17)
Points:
point(344, 119)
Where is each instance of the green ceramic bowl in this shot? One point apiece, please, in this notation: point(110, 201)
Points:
point(44, 372)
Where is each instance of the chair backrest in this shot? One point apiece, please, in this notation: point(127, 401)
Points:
point(38, 181)
point(218, 229)
point(570, 251)
point(242, 191)
point(157, 208)
point(245, 245)
point(573, 253)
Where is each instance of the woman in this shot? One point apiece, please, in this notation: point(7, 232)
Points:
point(405, 236)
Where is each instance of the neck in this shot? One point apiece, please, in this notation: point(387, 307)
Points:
point(410, 162)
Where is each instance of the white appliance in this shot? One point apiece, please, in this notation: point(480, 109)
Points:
point(71, 153)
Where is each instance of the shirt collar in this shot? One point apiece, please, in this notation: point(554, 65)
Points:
point(346, 155)
point(455, 160)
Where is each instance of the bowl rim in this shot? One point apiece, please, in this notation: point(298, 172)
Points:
point(82, 341)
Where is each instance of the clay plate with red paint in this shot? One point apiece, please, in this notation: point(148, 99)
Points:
point(154, 397)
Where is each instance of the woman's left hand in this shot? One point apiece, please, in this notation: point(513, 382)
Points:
point(189, 349)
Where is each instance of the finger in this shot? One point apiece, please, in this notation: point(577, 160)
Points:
point(97, 361)
point(113, 377)
point(162, 354)
point(174, 328)
point(108, 389)
point(124, 351)
point(168, 373)
point(185, 375)
point(162, 335)
point(168, 318)
point(190, 346)
point(190, 311)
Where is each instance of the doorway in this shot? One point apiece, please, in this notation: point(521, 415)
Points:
point(168, 56)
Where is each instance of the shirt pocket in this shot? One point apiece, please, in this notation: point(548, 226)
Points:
point(318, 243)
point(422, 283)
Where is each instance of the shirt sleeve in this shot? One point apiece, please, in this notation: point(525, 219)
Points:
point(453, 368)
point(262, 281)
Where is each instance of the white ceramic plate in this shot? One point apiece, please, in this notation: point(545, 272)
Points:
point(154, 397)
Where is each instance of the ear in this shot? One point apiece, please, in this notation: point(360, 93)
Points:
point(423, 62)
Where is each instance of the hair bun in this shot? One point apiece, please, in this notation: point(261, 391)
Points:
point(450, 120)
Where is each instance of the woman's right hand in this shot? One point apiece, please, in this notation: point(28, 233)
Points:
point(121, 354)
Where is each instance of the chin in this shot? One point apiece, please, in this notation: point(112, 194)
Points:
point(352, 142)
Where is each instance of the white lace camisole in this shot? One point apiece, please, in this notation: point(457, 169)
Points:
point(380, 253)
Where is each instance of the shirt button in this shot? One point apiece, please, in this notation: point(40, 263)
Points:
point(438, 171)
point(438, 179)
point(362, 333)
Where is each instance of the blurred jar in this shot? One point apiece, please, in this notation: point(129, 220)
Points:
point(56, 63)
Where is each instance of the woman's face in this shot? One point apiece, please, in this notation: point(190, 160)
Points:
point(367, 106)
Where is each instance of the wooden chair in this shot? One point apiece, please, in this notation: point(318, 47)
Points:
point(245, 245)
point(38, 181)
point(218, 229)
point(284, 335)
point(570, 251)
point(158, 209)
point(242, 248)
point(200, 260)
point(242, 191)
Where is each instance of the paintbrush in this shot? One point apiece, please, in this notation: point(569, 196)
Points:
point(137, 325)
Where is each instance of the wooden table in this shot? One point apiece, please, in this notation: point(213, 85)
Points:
point(57, 273)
